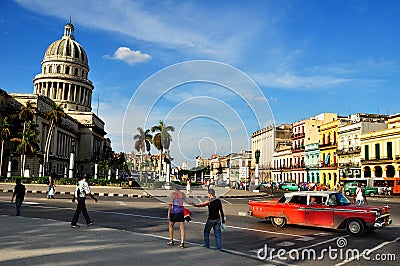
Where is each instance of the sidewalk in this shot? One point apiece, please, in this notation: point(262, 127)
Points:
point(135, 192)
point(33, 241)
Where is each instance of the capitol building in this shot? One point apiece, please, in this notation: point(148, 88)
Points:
point(79, 140)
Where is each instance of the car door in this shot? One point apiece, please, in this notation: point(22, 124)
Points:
point(320, 214)
point(294, 210)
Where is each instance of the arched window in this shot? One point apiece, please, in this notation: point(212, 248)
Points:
point(67, 70)
point(58, 69)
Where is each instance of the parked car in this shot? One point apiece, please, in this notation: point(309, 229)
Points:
point(290, 186)
point(321, 187)
point(330, 210)
point(304, 186)
point(263, 187)
point(350, 187)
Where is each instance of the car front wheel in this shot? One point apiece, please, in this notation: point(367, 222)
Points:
point(347, 193)
point(372, 194)
point(355, 227)
point(278, 221)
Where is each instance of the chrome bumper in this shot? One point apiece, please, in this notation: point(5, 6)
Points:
point(383, 224)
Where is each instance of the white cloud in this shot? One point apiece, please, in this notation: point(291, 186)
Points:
point(129, 56)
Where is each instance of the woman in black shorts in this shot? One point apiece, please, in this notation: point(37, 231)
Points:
point(175, 214)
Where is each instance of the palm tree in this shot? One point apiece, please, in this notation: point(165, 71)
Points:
point(28, 143)
point(162, 139)
point(5, 134)
point(104, 166)
point(26, 115)
point(54, 117)
point(143, 142)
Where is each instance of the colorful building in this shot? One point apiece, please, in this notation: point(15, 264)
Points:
point(380, 151)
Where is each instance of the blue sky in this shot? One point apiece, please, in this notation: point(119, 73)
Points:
point(305, 57)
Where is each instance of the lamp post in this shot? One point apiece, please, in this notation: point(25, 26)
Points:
point(257, 156)
point(72, 160)
point(9, 169)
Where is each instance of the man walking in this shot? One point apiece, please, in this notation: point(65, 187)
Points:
point(19, 194)
point(214, 219)
point(81, 191)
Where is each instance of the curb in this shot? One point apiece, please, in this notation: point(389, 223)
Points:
point(135, 195)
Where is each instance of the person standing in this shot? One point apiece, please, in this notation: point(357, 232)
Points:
point(215, 217)
point(82, 189)
point(19, 194)
point(175, 214)
point(52, 190)
point(359, 196)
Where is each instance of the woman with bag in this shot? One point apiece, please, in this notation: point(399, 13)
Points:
point(176, 214)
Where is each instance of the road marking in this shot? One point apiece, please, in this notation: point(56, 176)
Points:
point(323, 234)
point(121, 203)
point(368, 251)
point(31, 203)
point(226, 201)
point(305, 238)
point(285, 244)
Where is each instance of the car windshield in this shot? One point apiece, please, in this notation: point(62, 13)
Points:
point(338, 199)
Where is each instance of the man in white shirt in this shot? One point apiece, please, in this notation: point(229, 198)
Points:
point(82, 189)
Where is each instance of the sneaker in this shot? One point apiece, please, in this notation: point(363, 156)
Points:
point(75, 226)
point(90, 223)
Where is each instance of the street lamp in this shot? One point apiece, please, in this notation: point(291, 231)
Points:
point(72, 160)
point(257, 156)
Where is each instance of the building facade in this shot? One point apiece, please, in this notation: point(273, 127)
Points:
point(80, 135)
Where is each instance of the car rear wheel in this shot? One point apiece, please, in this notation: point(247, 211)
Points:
point(278, 221)
point(355, 227)
point(347, 193)
point(372, 194)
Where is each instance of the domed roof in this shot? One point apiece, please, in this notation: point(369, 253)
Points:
point(66, 48)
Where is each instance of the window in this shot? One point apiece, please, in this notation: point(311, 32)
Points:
point(299, 200)
point(389, 150)
point(377, 151)
point(366, 152)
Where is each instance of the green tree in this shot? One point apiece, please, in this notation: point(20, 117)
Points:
point(162, 139)
point(27, 143)
point(54, 117)
point(104, 166)
point(5, 135)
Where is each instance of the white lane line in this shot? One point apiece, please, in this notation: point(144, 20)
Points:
point(286, 244)
point(121, 203)
point(366, 252)
point(226, 201)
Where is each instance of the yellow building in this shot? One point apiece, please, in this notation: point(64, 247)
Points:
point(380, 151)
point(328, 143)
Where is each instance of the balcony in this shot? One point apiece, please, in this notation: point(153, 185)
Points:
point(327, 145)
point(351, 150)
point(377, 160)
point(299, 135)
point(328, 166)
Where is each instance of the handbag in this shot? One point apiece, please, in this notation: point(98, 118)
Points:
point(187, 214)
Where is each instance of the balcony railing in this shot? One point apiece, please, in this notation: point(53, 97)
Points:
point(331, 144)
point(299, 135)
point(350, 150)
point(380, 159)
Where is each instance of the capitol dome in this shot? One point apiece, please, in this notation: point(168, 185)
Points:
point(67, 47)
point(64, 77)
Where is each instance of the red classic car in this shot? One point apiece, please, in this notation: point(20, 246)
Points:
point(321, 209)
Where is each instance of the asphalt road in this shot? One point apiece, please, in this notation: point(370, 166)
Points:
point(246, 236)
